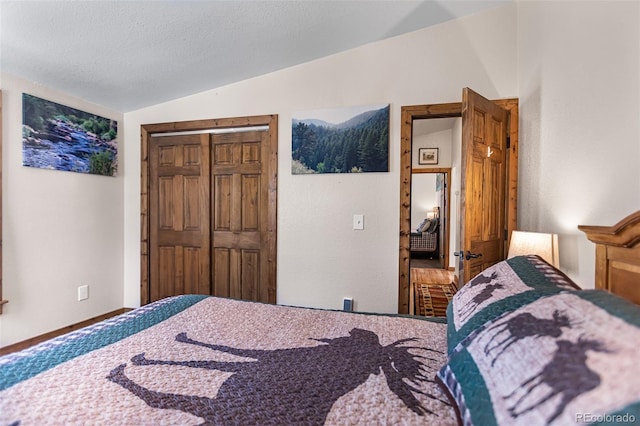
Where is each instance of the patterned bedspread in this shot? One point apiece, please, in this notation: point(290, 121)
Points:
point(206, 360)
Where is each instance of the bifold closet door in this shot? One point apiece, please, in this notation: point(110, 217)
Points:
point(240, 204)
point(179, 215)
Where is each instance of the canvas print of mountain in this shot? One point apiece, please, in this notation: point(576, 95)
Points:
point(59, 137)
point(340, 140)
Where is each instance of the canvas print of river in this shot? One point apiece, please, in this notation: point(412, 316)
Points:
point(340, 140)
point(58, 137)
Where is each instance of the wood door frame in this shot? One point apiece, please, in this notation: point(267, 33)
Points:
point(146, 130)
point(446, 110)
point(447, 213)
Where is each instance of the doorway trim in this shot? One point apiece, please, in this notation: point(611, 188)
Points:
point(146, 130)
point(454, 109)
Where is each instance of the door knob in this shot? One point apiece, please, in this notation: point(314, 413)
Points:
point(470, 255)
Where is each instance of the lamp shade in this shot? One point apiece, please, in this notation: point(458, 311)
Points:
point(544, 245)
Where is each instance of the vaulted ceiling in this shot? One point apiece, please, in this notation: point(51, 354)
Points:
point(127, 55)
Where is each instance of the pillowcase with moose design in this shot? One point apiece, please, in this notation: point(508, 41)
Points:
point(503, 287)
point(562, 359)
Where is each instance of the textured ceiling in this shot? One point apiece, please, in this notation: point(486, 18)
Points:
point(126, 55)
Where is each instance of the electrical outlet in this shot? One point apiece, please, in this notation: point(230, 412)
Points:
point(83, 292)
point(358, 221)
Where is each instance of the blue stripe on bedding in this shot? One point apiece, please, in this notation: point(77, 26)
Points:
point(14, 368)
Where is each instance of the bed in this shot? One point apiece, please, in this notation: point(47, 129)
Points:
point(521, 344)
point(424, 242)
point(425, 238)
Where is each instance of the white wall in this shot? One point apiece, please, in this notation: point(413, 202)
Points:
point(441, 140)
point(423, 197)
point(579, 90)
point(60, 230)
point(320, 258)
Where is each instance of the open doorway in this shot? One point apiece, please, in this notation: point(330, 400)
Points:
point(430, 217)
point(435, 147)
point(474, 117)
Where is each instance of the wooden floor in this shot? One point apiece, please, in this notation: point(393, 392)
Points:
point(428, 276)
point(425, 263)
point(431, 276)
point(38, 339)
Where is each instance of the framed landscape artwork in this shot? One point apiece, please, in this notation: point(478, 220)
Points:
point(59, 137)
point(428, 156)
point(340, 140)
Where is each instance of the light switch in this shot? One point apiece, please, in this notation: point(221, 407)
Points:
point(358, 221)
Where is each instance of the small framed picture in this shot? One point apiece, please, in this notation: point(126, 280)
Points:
point(428, 156)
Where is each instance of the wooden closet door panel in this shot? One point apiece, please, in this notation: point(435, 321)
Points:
point(250, 203)
point(240, 196)
point(251, 274)
point(179, 215)
point(222, 202)
point(220, 263)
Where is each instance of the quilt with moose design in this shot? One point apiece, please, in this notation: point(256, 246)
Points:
point(527, 347)
point(503, 287)
point(206, 360)
point(565, 358)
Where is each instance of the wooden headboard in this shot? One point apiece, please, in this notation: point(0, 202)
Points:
point(618, 256)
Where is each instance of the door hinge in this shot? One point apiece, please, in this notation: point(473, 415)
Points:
point(506, 236)
point(508, 141)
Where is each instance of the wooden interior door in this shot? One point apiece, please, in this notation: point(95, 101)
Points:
point(210, 216)
point(482, 196)
point(418, 112)
point(179, 217)
point(240, 216)
point(208, 208)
